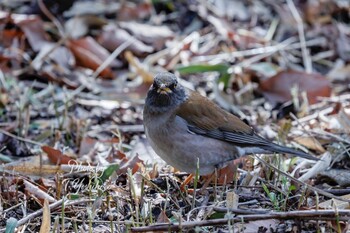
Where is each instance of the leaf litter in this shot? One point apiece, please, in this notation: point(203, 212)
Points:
point(72, 85)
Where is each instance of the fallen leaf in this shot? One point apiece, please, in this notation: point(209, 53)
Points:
point(88, 53)
point(87, 144)
point(310, 143)
point(80, 25)
point(140, 69)
point(257, 226)
point(277, 89)
point(56, 156)
point(46, 222)
point(31, 168)
point(343, 117)
point(162, 218)
point(133, 163)
point(60, 56)
point(341, 176)
point(343, 43)
point(341, 73)
point(155, 35)
point(340, 205)
point(92, 8)
point(33, 28)
point(130, 11)
point(226, 174)
point(112, 37)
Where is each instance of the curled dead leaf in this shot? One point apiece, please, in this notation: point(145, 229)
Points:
point(112, 37)
point(88, 53)
point(56, 156)
point(277, 89)
point(310, 143)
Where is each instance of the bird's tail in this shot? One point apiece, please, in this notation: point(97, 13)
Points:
point(283, 149)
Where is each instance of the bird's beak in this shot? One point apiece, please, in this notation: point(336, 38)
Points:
point(163, 89)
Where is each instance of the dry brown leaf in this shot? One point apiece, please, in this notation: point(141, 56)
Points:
point(319, 12)
point(112, 37)
point(31, 26)
point(46, 222)
point(146, 75)
point(227, 174)
point(277, 89)
point(341, 176)
point(88, 53)
point(133, 163)
point(337, 205)
point(130, 11)
point(344, 118)
point(257, 226)
point(88, 144)
point(34, 170)
point(162, 218)
point(80, 25)
point(150, 34)
point(340, 205)
point(57, 157)
point(310, 143)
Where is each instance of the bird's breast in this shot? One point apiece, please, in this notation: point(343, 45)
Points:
point(163, 130)
point(172, 141)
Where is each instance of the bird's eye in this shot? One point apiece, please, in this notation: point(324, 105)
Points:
point(155, 85)
point(173, 85)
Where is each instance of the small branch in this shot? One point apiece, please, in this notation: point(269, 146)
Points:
point(288, 44)
point(299, 21)
point(49, 15)
point(115, 53)
point(240, 211)
point(51, 207)
point(320, 191)
point(38, 213)
point(20, 138)
point(304, 215)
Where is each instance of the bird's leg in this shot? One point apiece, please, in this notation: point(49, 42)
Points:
point(208, 181)
point(186, 182)
point(205, 185)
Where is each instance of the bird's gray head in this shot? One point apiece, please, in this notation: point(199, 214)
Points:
point(165, 93)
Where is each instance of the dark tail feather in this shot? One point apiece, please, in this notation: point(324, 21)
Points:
point(282, 149)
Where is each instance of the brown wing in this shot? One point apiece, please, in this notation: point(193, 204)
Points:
point(210, 120)
point(208, 116)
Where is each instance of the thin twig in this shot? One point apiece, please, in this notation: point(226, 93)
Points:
point(115, 53)
point(240, 211)
point(305, 53)
point(320, 191)
point(20, 138)
point(288, 44)
point(39, 60)
point(38, 212)
point(49, 15)
point(305, 215)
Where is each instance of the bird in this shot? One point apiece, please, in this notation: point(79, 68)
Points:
point(185, 128)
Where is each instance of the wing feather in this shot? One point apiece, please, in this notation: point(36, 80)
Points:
point(204, 114)
point(210, 120)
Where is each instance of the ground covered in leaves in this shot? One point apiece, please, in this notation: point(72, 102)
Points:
point(74, 75)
